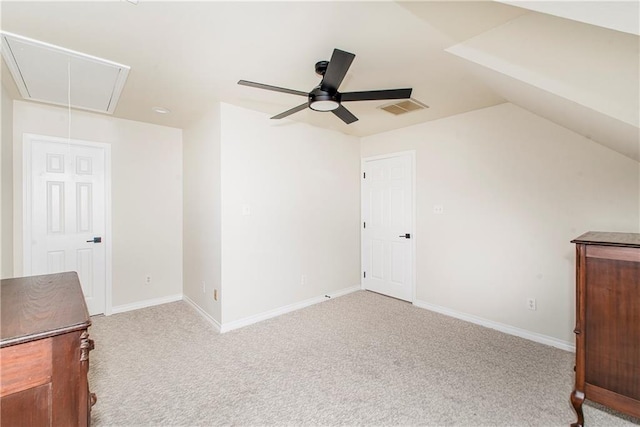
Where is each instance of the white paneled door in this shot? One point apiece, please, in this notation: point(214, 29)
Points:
point(66, 213)
point(387, 233)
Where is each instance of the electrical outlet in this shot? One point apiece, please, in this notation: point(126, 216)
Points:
point(531, 304)
point(204, 287)
point(215, 295)
point(147, 280)
point(303, 279)
point(438, 209)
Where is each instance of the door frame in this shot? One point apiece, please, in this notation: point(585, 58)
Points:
point(27, 220)
point(363, 161)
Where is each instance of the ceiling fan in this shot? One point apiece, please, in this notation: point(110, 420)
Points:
point(325, 96)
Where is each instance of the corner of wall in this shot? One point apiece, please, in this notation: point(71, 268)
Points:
point(202, 215)
point(290, 212)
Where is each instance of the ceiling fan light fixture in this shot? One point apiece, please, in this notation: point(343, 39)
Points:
point(324, 105)
point(322, 100)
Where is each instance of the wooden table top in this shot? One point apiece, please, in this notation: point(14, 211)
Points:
point(38, 307)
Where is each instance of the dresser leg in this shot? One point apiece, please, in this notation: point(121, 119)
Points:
point(577, 398)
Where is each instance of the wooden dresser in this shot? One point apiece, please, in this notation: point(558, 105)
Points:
point(607, 322)
point(44, 352)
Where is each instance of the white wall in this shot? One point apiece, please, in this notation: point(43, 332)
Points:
point(6, 190)
point(146, 166)
point(201, 210)
point(516, 189)
point(302, 186)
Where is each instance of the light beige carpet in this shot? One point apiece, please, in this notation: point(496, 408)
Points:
point(362, 359)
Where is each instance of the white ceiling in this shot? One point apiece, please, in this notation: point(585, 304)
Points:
point(185, 56)
point(619, 15)
point(582, 77)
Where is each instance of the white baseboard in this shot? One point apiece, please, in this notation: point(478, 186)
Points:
point(507, 329)
point(145, 303)
point(345, 291)
point(203, 313)
point(226, 327)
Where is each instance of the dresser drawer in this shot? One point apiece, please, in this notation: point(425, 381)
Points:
point(31, 407)
point(25, 366)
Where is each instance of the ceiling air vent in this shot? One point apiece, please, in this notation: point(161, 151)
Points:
point(55, 75)
point(403, 107)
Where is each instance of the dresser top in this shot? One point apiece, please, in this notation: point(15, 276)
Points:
point(38, 307)
point(631, 240)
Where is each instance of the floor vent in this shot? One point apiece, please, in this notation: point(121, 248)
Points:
point(403, 107)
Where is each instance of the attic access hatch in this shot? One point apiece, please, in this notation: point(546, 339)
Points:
point(55, 75)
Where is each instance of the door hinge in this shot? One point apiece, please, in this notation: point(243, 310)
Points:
point(365, 274)
point(364, 224)
point(364, 175)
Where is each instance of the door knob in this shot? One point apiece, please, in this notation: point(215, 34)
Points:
point(95, 240)
point(406, 236)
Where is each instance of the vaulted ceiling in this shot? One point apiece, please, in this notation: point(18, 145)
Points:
point(575, 63)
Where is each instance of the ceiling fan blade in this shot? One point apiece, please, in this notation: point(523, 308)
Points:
point(337, 69)
point(345, 115)
point(372, 95)
point(273, 88)
point(291, 111)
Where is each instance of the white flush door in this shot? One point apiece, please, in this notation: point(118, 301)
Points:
point(66, 213)
point(387, 233)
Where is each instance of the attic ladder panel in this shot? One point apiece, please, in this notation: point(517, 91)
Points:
point(42, 73)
